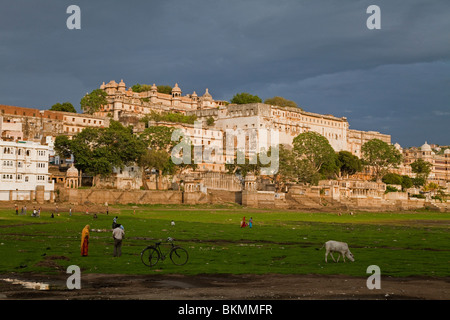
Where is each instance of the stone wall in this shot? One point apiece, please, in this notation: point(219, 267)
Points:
point(252, 199)
point(114, 196)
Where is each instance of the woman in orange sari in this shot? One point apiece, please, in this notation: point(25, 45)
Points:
point(85, 241)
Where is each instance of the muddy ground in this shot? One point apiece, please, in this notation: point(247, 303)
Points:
point(225, 287)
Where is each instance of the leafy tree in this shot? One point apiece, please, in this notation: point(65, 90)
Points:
point(62, 146)
point(164, 89)
point(244, 97)
point(65, 106)
point(169, 117)
point(349, 163)
point(98, 150)
point(418, 181)
point(146, 87)
point(93, 101)
point(407, 182)
point(380, 156)
point(250, 165)
point(287, 166)
point(314, 149)
point(422, 168)
point(210, 121)
point(159, 143)
point(158, 138)
point(281, 102)
point(392, 178)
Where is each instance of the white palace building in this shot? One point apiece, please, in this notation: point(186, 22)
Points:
point(24, 171)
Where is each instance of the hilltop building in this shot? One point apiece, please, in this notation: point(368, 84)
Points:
point(440, 170)
point(123, 101)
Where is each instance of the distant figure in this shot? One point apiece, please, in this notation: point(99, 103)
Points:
point(17, 210)
point(118, 235)
point(243, 223)
point(107, 210)
point(114, 224)
point(172, 223)
point(250, 222)
point(95, 216)
point(70, 211)
point(85, 241)
point(52, 216)
point(39, 212)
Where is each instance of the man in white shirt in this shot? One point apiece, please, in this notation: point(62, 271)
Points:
point(118, 235)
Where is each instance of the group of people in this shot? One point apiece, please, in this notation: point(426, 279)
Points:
point(244, 224)
point(118, 234)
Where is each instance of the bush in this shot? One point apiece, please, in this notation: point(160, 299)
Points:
point(392, 178)
point(391, 189)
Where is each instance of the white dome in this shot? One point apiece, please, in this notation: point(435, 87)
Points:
point(447, 151)
point(426, 147)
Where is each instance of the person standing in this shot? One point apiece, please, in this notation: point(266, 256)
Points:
point(118, 235)
point(115, 224)
point(17, 210)
point(85, 241)
point(250, 222)
point(70, 211)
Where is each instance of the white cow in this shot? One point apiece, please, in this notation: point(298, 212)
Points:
point(336, 246)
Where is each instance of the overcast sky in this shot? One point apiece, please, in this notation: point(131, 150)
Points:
point(319, 53)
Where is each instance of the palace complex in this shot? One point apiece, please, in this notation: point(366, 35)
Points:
point(216, 121)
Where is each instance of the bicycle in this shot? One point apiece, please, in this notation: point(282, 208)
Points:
point(152, 254)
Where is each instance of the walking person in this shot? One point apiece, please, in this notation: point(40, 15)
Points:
point(85, 241)
point(118, 235)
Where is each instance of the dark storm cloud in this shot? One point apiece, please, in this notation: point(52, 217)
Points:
point(318, 53)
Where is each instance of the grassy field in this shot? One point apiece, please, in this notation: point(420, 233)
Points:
point(285, 242)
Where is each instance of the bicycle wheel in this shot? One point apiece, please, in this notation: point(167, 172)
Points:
point(179, 256)
point(150, 256)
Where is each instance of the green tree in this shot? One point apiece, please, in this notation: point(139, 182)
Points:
point(210, 121)
point(164, 89)
point(244, 97)
point(349, 164)
point(281, 102)
point(381, 156)
point(421, 168)
point(418, 181)
point(407, 182)
point(98, 151)
point(392, 178)
point(288, 166)
point(314, 148)
point(93, 101)
point(159, 143)
point(62, 146)
point(146, 87)
point(158, 138)
point(65, 106)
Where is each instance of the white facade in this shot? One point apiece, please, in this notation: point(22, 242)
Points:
point(24, 171)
